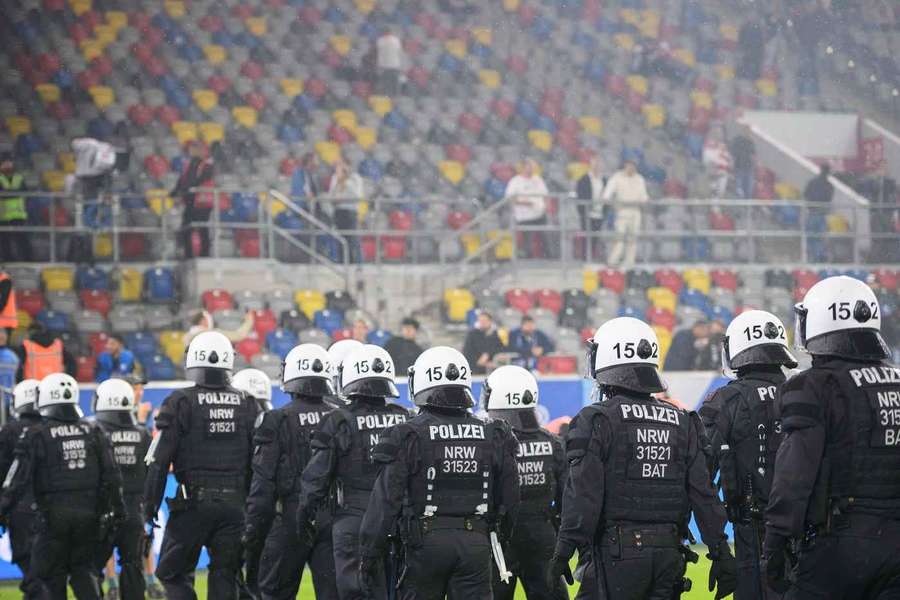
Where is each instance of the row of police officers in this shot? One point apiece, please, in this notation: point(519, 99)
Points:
point(382, 503)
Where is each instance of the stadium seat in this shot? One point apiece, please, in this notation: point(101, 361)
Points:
point(249, 347)
point(85, 369)
point(58, 279)
point(159, 368)
point(31, 301)
point(458, 302)
point(159, 285)
point(697, 279)
point(549, 299)
point(378, 337)
point(53, 320)
point(520, 300)
point(281, 341)
point(216, 300)
point(96, 300)
point(613, 279)
point(724, 279)
point(310, 301)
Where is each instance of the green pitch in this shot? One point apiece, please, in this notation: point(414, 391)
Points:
point(699, 573)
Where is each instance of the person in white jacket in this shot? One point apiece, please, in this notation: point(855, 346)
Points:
point(528, 194)
point(626, 186)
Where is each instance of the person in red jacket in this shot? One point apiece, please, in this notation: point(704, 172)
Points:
point(198, 207)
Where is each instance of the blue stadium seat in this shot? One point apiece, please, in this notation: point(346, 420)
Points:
point(159, 285)
point(143, 344)
point(159, 367)
point(719, 313)
point(281, 341)
point(91, 278)
point(54, 320)
point(328, 320)
point(379, 337)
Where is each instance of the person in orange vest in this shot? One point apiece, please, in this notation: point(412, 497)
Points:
point(43, 353)
point(8, 317)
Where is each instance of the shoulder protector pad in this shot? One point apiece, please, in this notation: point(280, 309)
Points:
point(390, 442)
point(266, 430)
point(799, 401)
point(170, 409)
point(581, 431)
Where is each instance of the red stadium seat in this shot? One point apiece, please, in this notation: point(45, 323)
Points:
point(586, 333)
point(250, 248)
point(88, 79)
point(519, 299)
point(616, 86)
point(249, 347)
point(61, 110)
point(887, 278)
point(527, 14)
point(342, 334)
point(401, 220)
point(362, 89)
point(674, 188)
point(31, 301)
point(140, 114)
point(458, 219)
point(613, 279)
point(218, 83)
point(669, 278)
point(470, 122)
point(368, 248)
point(48, 62)
point(211, 23)
point(133, 245)
point(503, 171)
point(339, 135)
point(78, 32)
point(310, 15)
point(156, 166)
point(85, 371)
point(419, 75)
point(725, 279)
point(288, 166)
point(96, 300)
point(558, 365)
point(502, 109)
point(458, 152)
point(97, 342)
point(549, 299)
point(217, 299)
point(517, 64)
point(393, 247)
point(661, 317)
point(720, 221)
point(805, 278)
point(264, 321)
point(315, 88)
point(102, 65)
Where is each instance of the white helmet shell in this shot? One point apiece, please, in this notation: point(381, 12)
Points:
point(25, 393)
point(115, 395)
point(756, 337)
point(254, 383)
point(438, 369)
point(307, 369)
point(510, 387)
point(210, 350)
point(625, 353)
point(840, 316)
point(57, 388)
point(341, 349)
point(368, 371)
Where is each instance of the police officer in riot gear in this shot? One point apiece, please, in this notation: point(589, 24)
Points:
point(282, 441)
point(337, 352)
point(115, 408)
point(205, 433)
point(342, 458)
point(637, 467)
point(510, 394)
point(744, 434)
point(21, 520)
point(67, 464)
point(836, 490)
point(449, 480)
point(255, 384)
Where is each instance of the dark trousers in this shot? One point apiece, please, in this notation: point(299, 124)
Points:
point(128, 543)
point(450, 562)
point(346, 219)
point(749, 574)
point(216, 525)
point(64, 547)
point(21, 537)
point(529, 237)
point(633, 574)
point(527, 555)
point(14, 245)
point(284, 556)
point(859, 562)
point(345, 537)
point(191, 215)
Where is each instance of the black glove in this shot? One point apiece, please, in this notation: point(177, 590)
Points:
point(306, 528)
point(775, 568)
point(150, 513)
point(559, 567)
point(251, 540)
point(723, 572)
point(368, 571)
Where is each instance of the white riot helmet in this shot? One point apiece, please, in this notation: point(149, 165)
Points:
point(840, 316)
point(338, 351)
point(307, 371)
point(508, 388)
point(25, 396)
point(114, 402)
point(368, 371)
point(756, 337)
point(441, 377)
point(255, 384)
point(624, 353)
point(58, 397)
point(209, 360)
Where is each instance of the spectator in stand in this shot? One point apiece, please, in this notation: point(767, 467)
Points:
point(743, 154)
point(819, 190)
point(13, 245)
point(389, 59)
point(404, 348)
point(696, 348)
point(43, 353)
point(203, 321)
point(589, 190)
point(346, 191)
point(361, 330)
point(530, 342)
point(198, 207)
point(751, 46)
point(116, 361)
point(303, 179)
point(529, 199)
point(718, 161)
point(628, 187)
point(482, 344)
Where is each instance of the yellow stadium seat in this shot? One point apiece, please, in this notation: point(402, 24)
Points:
point(503, 335)
point(650, 21)
point(116, 19)
point(364, 6)
point(346, 119)
point(662, 297)
point(159, 201)
point(540, 139)
point(592, 126)
point(697, 279)
point(629, 15)
point(54, 180)
point(329, 152)
point(211, 132)
point(105, 34)
point(471, 243)
point(362, 209)
point(67, 161)
point(664, 336)
point(483, 35)
point(490, 78)
point(23, 321)
point(58, 279)
point(91, 49)
point(453, 171)
point(624, 41)
point(728, 32)
point(837, 223)
point(130, 284)
point(245, 115)
point(381, 105)
point(701, 99)
point(510, 5)
point(215, 53)
point(49, 92)
point(309, 301)
point(786, 191)
point(767, 87)
point(341, 44)
point(79, 7)
point(458, 302)
point(172, 344)
point(185, 131)
point(205, 100)
point(257, 26)
point(685, 55)
point(590, 281)
point(638, 83)
point(291, 87)
point(575, 170)
point(725, 72)
point(276, 207)
point(103, 245)
point(17, 125)
point(654, 115)
point(102, 95)
point(456, 48)
point(175, 8)
point(366, 137)
point(504, 248)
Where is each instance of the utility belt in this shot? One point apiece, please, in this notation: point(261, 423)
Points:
point(68, 499)
point(213, 490)
point(350, 497)
point(745, 514)
point(476, 524)
point(618, 537)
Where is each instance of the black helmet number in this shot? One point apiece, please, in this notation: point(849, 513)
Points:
point(452, 373)
point(525, 398)
point(642, 350)
point(377, 366)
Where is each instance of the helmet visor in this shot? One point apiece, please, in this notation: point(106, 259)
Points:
point(644, 379)
point(63, 412)
point(318, 387)
point(448, 396)
point(855, 344)
point(378, 388)
point(765, 354)
point(117, 417)
point(211, 378)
